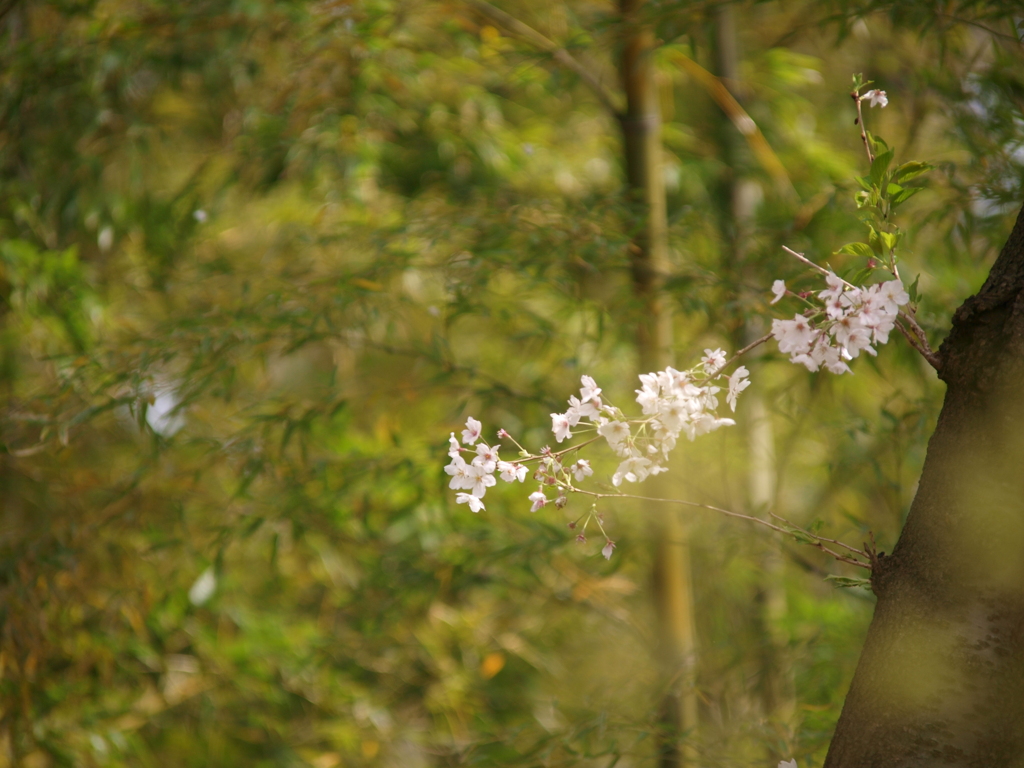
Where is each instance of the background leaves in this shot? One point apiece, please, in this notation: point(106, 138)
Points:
point(314, 237)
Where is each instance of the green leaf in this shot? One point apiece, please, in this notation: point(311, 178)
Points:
point(905, 194)
point(910, 170)
point(879, 166)
point(912, 290)
point(848, 582)
point(856, 249)
point(802, 537)
point(875, 241)
point(860, 276)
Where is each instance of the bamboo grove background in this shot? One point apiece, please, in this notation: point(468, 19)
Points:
point(258, 259)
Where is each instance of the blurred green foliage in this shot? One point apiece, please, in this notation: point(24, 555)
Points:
point(258, 258)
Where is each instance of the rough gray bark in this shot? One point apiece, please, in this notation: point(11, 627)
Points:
point(941, 679)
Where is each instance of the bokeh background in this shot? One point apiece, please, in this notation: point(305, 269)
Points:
point(258, 259)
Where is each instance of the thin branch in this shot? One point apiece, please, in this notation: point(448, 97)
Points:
point(838, 543)
point(558, 53)
point(918, 340)
point(863, 131)
point(815, 540)
point(747, 348)
point(752, 345)
point(809, 263)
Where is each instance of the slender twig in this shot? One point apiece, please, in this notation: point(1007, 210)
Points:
point(750, 346)
point(838, 543)
point(918, 340)
point(814, 540)
point(917, 329)
point(553, 454)
point(558, 53)
point(807, 261)
point(863, 131)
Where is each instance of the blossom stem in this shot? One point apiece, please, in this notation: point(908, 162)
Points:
point(585, 443)
point(815, 540)
point(554, 454)
point(863, 131)
point(516, 443)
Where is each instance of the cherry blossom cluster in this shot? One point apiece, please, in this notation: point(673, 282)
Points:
point(845, 321)
point(673, 403)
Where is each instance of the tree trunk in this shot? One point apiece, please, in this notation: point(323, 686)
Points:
point(941, 677)
point(641, 135)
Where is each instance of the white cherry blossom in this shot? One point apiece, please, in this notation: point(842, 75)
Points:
point(460, 472)
point(876, 98)
point(589, 390)
point(779, 290)
point(713, 360)
point(475, 505)
point(478, 481)
point(738, 381)
point(635, 469)
point(472, 431)
point(560, 426)
point(615, 432)
point(794, 336)
point(486, 457)
point(581, 470)
point(510, 472)
point(590, 409)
